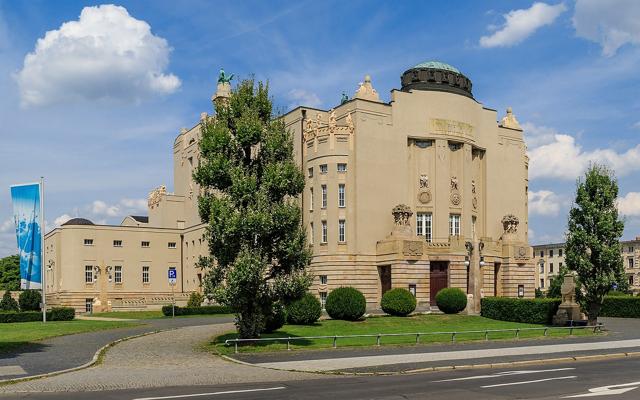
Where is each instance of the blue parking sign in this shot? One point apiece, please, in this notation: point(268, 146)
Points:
point(172, 275)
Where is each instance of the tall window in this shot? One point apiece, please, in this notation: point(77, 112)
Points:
point(310, 172)
point(342, 167)
point(560, 252)
point(542, 283)
point(542, 268)
point(311, 232)
point(342, 231)
point(341, 199)
point(323, 168)
point(551, 253)
point(423, 225)
point(145, 274)
point(324, 231)
point(323, 299)
point(88, 274)
point(88, 304)
point(630, 262)
point(323, 279)
point(454, 224)
point(551, 268)
point(541, 253)
point(324, 196)
point(117, 274)
point(310, 199)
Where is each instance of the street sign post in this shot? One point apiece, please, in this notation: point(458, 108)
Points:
point(172, 274)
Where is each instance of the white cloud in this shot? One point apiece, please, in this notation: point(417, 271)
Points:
point(61, 220)
point(611, 23)
point(124, 207)
point(559, 156)
point(544, 202)
point(301, 97)
point(105, 54)
point(629, 205)
point(520, 24)
point(101, 208)
point(8, 226)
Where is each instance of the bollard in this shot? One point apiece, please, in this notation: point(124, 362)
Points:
point(486, 335)
point(236, 345)
point(378, 340)
point(545, 331)
point(518, 333)
point(417, 338)
point(288, 345)
point(453, 337)
point(335, 342)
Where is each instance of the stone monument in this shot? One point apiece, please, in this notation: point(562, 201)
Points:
point(568, 310)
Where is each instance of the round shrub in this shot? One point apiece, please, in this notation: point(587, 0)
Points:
point(305, 311)
point(346, 303)
point(451, 300)
point(30, 300)
point(399, 302)
point(275, 319)
point(8, 303)
point(195, 299)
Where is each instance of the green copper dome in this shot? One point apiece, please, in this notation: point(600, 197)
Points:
point(438, 65)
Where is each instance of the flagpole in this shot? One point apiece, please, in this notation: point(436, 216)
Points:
point(42, 270)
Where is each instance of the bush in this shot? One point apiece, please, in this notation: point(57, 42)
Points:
point(275, 320)
point(621, 307)
point(451, 300)
point(8, 303)
point(531, 311)
point(399, 302)
point(30, 300)
point(305, 311)
point(195, 300)
point(346, 303)
point(166, 310)
point(617, 293)
point(24, 316)
point(61, 314)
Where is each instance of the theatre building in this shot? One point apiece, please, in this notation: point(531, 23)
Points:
point(424, 192)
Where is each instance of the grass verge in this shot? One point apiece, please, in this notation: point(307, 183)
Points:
point(148, 315)
point(16, 335)
point(387, 324)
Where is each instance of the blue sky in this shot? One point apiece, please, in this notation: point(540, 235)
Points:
point(94, 94)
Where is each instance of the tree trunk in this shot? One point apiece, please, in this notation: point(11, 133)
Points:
point(249, 324)
point(593, 311)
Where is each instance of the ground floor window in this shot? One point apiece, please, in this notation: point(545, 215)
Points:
point(542, 283)
point(117, 274)
point(88, 305)
point(412, 289)
point(145, 274)
point(88, 274)
point(323, 299)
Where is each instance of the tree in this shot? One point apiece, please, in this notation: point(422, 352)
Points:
point(250, 183)
point(10, 273)
point(8, 303)
point(593, 240)
point(555, 286)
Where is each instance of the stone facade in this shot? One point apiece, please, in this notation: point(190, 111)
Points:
point(424, 192)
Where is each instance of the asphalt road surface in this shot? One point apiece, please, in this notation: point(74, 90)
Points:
point(611, 379)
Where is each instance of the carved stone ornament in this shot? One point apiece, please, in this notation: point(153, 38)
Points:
point(412, 248)
point(424, 197)
point(424, 181)
point(474, 203)
point(473, 187)
point(349, 121)
point(510, 223)
point(522, 252)
point(454, 183)
point(402, 214)
point(332, 121)
point(455, 198)
point(510, 121)
point(366, 91)
point(156, 195)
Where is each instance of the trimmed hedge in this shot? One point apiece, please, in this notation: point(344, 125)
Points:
point(451, 300)
point(166, 310)
point(346, 303)
point(56, 314)
point(621, 307)
point(30, 300)
point(305, 311)
point(531, 311)
point(398, 302)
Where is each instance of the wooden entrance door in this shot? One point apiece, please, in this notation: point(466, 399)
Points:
point(385, 278)
point(438, 278)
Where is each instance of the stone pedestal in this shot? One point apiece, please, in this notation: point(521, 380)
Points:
point(568, 310)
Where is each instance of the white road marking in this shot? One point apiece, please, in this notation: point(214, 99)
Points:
point(506, 373)
point(12, 370)
point(183, 396)
point(607, 390)
point(525, 382)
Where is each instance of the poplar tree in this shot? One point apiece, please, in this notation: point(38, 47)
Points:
point(250, 184)
point(593, 240)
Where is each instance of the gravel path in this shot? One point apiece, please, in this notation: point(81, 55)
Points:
point(169, 358)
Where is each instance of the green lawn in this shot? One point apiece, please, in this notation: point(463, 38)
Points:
point(148, 315)
point(14, 335)
point(416, 324)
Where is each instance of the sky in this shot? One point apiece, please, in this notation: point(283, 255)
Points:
point(92, 95)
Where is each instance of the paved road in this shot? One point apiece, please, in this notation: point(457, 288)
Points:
point(70, 351)
point(614, 380)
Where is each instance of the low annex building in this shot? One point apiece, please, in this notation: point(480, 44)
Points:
point(424, 192)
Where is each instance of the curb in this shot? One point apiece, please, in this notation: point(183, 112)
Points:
point(97, 358)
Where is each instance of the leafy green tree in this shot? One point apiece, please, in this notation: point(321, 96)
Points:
point(593, 248)
point(250, 181)
point(8, 303)
point(10, 273)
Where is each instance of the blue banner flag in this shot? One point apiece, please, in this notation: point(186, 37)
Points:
point(26, 214)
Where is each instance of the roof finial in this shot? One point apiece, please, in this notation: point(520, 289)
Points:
point(510, 121)
point(366, 90)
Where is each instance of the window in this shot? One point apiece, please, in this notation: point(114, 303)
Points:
point(454, 224)
point(455, 146)
point(311, 232)
point(145, 244)
point(342, 231)
point(324, 231)
point(630, 249)
point(630, 280)
point(323, 299)
point(172, 245)
point(117, 243)
point(145, 274)
point(551, 253)
point(341, 199)
point(542, 283)
point(342, 167)
point(310, 172)
point(542, 268)
point(323, 279)
point(88, 274)
point(310, 199)
point(412, 289)
point(423, 225)
point(541, 253)
point(88, 305)
point(559, 252)
point(630, 262)
point(117, 274)
point(551, 268)
point(324, 196)
point(323, 168)
point(88, 242)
